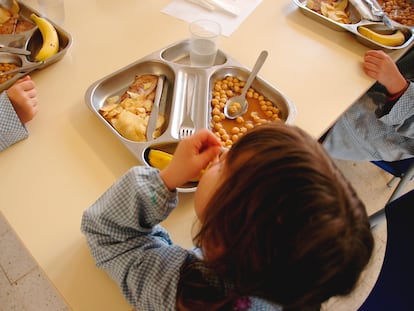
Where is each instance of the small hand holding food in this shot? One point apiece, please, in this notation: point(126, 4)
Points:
point(380, 66)
point(192, 155)
point(23, 96)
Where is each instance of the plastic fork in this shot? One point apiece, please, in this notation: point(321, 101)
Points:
point(187, 127)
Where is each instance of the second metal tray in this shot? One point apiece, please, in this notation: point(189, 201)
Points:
point(357, 21)
point(30, 40)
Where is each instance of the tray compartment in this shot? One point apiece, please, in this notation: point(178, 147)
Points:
point(118, 83)
point(286, 107)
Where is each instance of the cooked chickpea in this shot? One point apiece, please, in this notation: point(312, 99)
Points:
point(216, 111)
point(235, 130)
point(216, 118)
point(218, 126)
point(239, 119)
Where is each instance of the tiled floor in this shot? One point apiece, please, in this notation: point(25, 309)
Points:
point(24, 287)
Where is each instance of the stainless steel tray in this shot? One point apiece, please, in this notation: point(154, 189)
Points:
point(356, 21)
point(30, 40)
point(173, 63)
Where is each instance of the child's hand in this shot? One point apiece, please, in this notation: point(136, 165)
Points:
point(379, 66)
point(23, 96)
point(192, 155)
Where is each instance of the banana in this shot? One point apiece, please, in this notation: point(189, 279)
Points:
point(50, 45)
point(395, 39)
point(159, 159)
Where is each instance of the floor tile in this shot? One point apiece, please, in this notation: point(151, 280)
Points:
point(15, 260)
point(38, 294)
point(10, 300)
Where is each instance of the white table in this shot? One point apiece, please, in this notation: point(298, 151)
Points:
point(71, 158)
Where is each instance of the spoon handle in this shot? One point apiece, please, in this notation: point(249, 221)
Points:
point(259, 63)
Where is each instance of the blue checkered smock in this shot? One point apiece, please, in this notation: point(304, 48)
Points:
point(125, 238)
point(361, 136)
point(11, 129)
point(374, 128)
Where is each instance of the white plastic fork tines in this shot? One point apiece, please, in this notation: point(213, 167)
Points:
point(187, 127)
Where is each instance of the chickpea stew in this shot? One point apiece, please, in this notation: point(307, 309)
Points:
point(401, 11)
point(261, 110)
point(4, 67)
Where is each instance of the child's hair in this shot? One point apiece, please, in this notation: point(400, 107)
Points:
point(291, 228)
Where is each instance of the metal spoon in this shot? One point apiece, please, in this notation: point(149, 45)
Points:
point(238, 105)
point(12, 50)
point(23, 69)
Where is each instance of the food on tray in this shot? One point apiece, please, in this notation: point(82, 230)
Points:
point(261, 110)
point(50, 43)
point(334, 10)
point(401, 11)
point(159, 159)
point(129, 113)
point(10, 21)
point(7, 67)
point(394, 39)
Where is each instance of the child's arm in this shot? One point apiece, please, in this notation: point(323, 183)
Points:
point(125, 240)
point(18, 105)
point(379, 66)
point(23, 96)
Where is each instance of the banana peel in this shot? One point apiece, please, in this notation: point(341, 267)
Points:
point(160, 159)
point(395, 39)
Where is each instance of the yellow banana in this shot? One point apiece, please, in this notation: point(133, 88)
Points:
point(50, 45)
point(395, 39)
point(159, 159)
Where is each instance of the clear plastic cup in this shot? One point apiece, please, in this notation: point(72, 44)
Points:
point(204, 39)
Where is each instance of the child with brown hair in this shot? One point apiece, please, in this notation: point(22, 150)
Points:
point(280, 228)
point(18, 105)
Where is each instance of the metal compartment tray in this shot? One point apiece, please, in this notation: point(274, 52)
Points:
point(30, 40)
point(358, 20)
point(173, 63)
